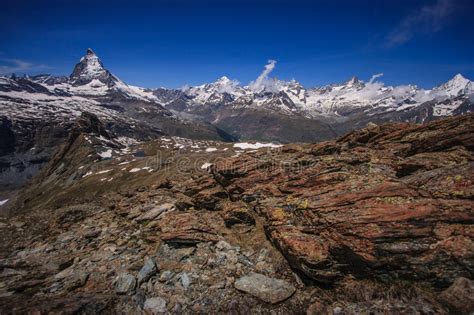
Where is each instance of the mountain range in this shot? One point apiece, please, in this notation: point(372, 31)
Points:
point(36, 112)
point(291, 98)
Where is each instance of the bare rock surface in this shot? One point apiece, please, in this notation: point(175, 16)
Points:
point(379, 221)
point(391, 202)
point(155, 212)
point(148, 270)
point(460, 296)
point(155, 305)
point(125, 283)
point(267, 289)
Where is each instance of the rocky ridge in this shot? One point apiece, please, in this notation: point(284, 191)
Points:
point(379, 221)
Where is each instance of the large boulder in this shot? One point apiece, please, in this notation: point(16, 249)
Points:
point(460, 296)
point(268, 289)
point(155, 305)
point(125, 283)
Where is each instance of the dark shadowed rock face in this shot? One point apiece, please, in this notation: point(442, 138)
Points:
point(262, 125)
point(90, 123)
point(25, 146)
point(392, 202)
point(7, 137)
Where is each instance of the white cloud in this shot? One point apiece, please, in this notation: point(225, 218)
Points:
point(263, 82)
point(185, 88)
point(371, 89)
point(427, 20)
point(374, 90)
point(9, 66)
point(374, 77)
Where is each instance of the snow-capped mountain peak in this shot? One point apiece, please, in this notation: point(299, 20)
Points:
point(90, 52)
point(353, 82)
point(459, 77)
point(225, 85)
point(456, 86)
point(89, 79)
point(223, 80)
point(221, 90)
point(90, 68)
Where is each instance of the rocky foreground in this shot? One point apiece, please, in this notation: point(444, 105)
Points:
point(378, 221)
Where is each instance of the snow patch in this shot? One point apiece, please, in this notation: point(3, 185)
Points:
point(258, 145)
point(103, 172)
point(106, 154)
point(206, 165)
point(87, 174)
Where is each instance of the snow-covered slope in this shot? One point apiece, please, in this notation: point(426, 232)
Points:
point(290, 97)
point(458, 85)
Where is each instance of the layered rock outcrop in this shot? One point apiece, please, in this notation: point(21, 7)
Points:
point(391, 202)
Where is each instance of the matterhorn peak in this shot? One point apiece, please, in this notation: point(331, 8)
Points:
point(90, 68)
point(90, 52)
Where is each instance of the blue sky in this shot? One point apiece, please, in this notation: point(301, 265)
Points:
point(173, 43)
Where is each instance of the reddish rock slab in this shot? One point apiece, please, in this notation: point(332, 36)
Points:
point(187, 228)
point(391, 202)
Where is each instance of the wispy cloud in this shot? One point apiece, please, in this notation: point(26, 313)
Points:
point(375, 77)
point(262, 79)
point(9, 66)
point(372, 88)
point(428, 19)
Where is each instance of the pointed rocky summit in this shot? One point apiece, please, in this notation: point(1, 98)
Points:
point(91, 68)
